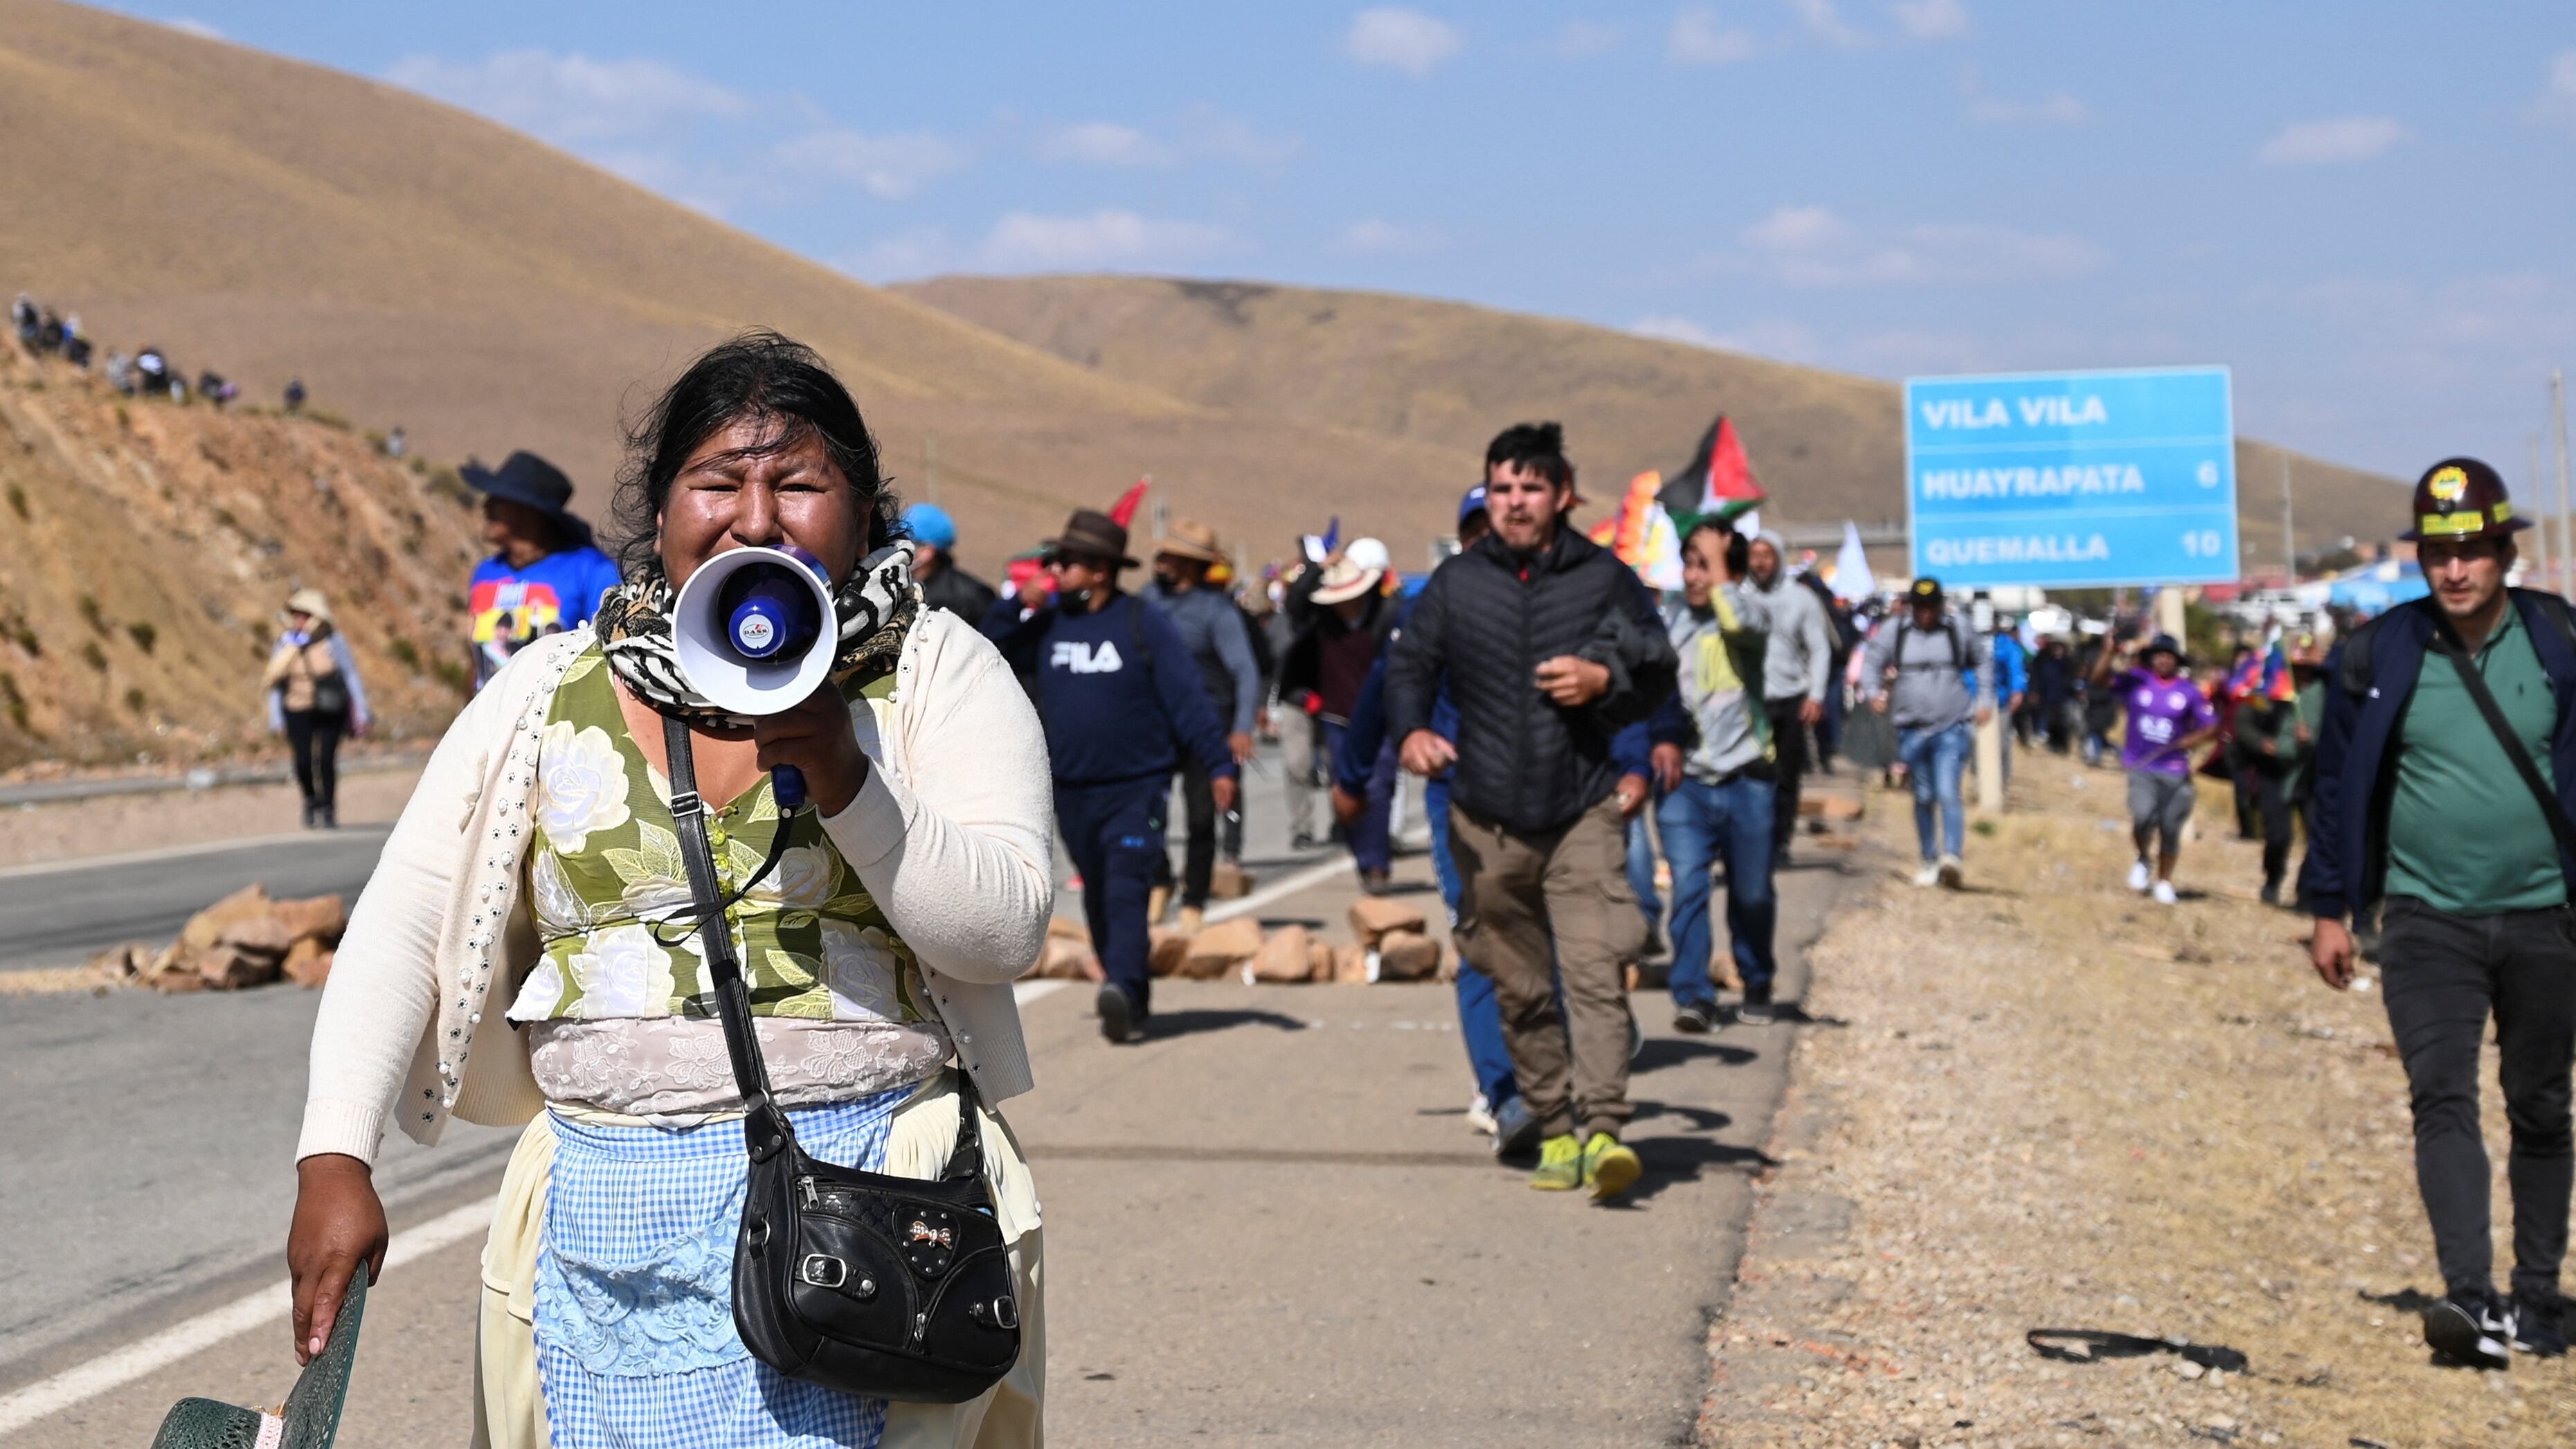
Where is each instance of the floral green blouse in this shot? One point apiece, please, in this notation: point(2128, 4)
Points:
point(610, 898)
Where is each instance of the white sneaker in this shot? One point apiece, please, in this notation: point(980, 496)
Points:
point(2140, 877)
point(1480, 1115)
point(1947, 872)
point(1929, 875)
point(2164, 893)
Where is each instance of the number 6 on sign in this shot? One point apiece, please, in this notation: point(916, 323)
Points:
point(2202, 543)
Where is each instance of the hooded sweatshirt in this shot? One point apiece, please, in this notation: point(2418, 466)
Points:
point(1716, 716)
point(1799, 661)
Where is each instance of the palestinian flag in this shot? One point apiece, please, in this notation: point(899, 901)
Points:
point(1719, 480)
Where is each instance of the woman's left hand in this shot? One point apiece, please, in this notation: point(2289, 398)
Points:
point(815, 737)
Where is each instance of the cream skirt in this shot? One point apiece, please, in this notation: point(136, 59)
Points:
point(509, 1411)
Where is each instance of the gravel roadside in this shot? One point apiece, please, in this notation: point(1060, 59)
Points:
point(2046, 1102)
point(117, 824)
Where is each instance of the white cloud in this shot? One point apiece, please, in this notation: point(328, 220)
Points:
point(2341, 141)
point(1810, 246)
point(1674, 329)
point(920, 252)
point(889, 167)
point(1931, 19)
point(1823, 21)
point(191, 25)
point(1106, 239)
point(2057, 108)
point(2556, 104)
point(1373, 237)
point(568, 97)
point(1398, 39)
point(1580, 38)
point(1104, 143)
point(1208, 132)
point(1698, 37)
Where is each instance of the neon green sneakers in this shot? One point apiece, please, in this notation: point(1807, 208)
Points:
point(1560, 1165)
point(1610, 1167)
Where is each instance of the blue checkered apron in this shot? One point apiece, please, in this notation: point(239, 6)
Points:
point(634, 1305)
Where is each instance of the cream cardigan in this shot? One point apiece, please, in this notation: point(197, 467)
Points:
point(952, 835)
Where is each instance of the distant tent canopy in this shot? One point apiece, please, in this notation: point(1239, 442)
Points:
point(1718, 482)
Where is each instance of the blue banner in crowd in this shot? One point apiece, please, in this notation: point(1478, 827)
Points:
point(2072, 479)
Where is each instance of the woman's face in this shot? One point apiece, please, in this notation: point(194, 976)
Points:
point(299, 621)
point(728, 496)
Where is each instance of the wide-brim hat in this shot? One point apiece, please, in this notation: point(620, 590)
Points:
point(310, 601)
point(1345, 581)
point(1093, 533)
point(2462, 498)
point(311, 1416)
point(1190, 539)
point(525, 478)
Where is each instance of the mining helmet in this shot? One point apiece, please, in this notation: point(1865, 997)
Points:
point(2462, 498)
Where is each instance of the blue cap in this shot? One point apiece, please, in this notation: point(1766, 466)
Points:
point(931, 524)
point(1472, 504)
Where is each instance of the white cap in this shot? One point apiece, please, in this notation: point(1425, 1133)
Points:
point(1368, 553)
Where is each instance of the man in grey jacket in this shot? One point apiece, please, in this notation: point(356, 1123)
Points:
point(1797, 669)
point(1927, 670)
point(1221, 646)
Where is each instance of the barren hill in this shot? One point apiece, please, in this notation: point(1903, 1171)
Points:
point(1828, 445)
point(419, 265)
point(145, 550)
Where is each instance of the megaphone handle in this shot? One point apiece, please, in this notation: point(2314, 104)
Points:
point(787, 786)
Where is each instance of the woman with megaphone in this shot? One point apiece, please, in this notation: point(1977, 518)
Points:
point(722, 896)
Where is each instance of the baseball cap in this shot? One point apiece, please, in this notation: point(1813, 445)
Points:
point(1926, 590)
point(1471, 504)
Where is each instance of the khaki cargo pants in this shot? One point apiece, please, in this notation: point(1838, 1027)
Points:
point(1532, 909)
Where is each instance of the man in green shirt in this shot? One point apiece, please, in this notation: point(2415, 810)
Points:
point(2419, 803)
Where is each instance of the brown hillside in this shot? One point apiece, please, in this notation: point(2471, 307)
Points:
point(415, 264)
point(145, 549)
point(1827, 445)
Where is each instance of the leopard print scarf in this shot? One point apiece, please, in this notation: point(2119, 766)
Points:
point(876, 605)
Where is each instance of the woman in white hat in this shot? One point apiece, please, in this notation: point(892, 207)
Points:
point(314, 698)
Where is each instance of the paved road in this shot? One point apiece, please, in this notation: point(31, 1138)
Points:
point(61, 912)
point(1268, 1220)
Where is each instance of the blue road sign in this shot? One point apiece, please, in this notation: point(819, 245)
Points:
point(2072, 479)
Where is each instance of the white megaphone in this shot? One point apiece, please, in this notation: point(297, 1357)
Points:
point(755, 632)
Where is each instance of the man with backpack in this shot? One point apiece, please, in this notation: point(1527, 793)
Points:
point(1927, 672)
point(1120, 700)
point(2441, 717)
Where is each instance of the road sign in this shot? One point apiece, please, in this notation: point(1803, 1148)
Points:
point(2072, 479)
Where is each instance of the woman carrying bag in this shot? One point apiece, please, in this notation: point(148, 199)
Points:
point(314, 698)
point(534, 949)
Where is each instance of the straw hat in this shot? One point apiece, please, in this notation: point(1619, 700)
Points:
point(1190, 539)
point(1345, 581)
point(310, 601)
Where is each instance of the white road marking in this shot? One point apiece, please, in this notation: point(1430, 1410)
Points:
point(266, 1308)
point(1027, 991)
point(1286, 885)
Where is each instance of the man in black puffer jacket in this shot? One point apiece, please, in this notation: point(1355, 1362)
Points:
point(1549, 645)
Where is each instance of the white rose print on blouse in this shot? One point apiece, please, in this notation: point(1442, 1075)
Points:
point(540, 994)
point(859, 966)
point(560, 909)
point(581, 785)
point(624, 973)
point(805, 878)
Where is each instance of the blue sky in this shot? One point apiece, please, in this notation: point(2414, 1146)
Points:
point(2368, 210)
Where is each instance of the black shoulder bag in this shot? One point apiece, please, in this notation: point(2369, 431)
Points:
point(2448, 642)
point(885, 1287)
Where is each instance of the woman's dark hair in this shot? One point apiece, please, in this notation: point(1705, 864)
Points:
point(1535, 447)
point(758, 375)
point(1739, 549)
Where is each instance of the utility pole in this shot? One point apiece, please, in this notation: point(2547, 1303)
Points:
point(930, 467)
point(2558, 415)
point(2547, 565)
point(2289, 526)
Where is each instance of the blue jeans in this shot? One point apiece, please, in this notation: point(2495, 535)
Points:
point(1115, 833)
point(1372, 842)
point(1705, 825)
point(1641, 872)
point(1933, 759)
point(1480, 1016)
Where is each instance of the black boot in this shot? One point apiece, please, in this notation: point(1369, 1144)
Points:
point(330, 817)
point(310, 813)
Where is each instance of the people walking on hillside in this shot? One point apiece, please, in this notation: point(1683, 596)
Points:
point(545, 576)
point(294, 396)
point(1927, 671)
point(1714, 754)
point(934, 565)
point(1213, 634)
point(1797, 672)
point(1123, 705)
point(1342, 618)
point(2445, 778)
point(1550, 646)
point(2169, 717)
point(538, 918)
point(315, 699)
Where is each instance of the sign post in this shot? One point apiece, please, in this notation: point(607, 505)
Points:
point(2072, 480)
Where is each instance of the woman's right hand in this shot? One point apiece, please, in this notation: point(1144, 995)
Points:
point(339, 1224)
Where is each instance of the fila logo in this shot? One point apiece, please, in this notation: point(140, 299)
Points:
point(1079, 657)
